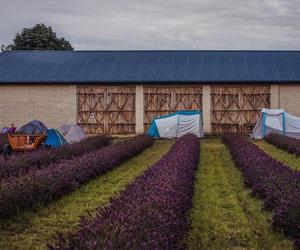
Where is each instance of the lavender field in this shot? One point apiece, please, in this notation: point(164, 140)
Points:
point(140, 193)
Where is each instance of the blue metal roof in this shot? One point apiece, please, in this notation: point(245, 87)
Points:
point(149, 66)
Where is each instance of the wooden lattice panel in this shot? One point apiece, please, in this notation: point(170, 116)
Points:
point(163, 100)
point(106, 109)
point(236, 108)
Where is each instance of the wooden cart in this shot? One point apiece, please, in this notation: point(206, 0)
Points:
point(25, 142)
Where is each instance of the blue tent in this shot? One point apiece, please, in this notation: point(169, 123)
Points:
point(55, 139)
point(33, 127)
point(177, 124)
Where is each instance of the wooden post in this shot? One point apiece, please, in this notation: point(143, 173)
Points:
point(139, 109)
point(206, 109)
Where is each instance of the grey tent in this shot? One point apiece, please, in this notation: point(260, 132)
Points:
point(276, 121)
point(33, 127)
point(72, 133)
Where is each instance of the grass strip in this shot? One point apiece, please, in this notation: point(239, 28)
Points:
point(283, 156)
point(224, 214)
point(33, 230)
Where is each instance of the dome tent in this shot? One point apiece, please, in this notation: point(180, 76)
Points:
point(55, 139)
point(177, 124)
point(33, 127)
point(276, 121)
point(72, 133)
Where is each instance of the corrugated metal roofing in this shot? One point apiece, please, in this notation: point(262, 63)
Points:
point(149, 66)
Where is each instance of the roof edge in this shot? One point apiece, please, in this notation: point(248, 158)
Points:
point(150, 50)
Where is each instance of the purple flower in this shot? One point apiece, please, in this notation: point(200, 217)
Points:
point(46, 184)
point(19, 164)
point(277, 184)
point(286, 143)
point(151, 213)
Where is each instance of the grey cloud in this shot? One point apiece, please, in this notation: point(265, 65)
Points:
point(160, 24)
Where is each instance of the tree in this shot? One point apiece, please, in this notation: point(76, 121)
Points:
point(39, 37)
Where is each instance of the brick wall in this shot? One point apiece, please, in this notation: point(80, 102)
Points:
point(289, 98)
point(52, 104)
point(56, 104)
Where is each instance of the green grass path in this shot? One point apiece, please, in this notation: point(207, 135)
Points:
point(290, 160)
point(32, 230)
point(225, 215)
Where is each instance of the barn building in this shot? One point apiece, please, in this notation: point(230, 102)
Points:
point(120, 92)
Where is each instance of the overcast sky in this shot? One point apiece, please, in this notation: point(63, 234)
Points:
point(159, 24)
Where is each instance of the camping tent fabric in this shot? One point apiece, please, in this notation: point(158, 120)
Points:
point(177, 124)
point(188, 124)
point(167, 126)
point(72, 133)
point(276, 121)
point(55, 139)
point(33, 127)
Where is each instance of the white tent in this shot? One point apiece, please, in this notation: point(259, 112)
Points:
point(72, 133)
point(177, 124)
point(276, 121)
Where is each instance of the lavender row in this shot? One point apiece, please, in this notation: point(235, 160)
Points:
point(45, 185)
point(151, 213)
point(20, 164)
point(286, 143)
point(277, 184)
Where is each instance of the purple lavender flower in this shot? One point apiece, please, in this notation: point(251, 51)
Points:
point(20, 164)
point(46, 184)
point(278, 185)
point(151, 213)
point(286, 143)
